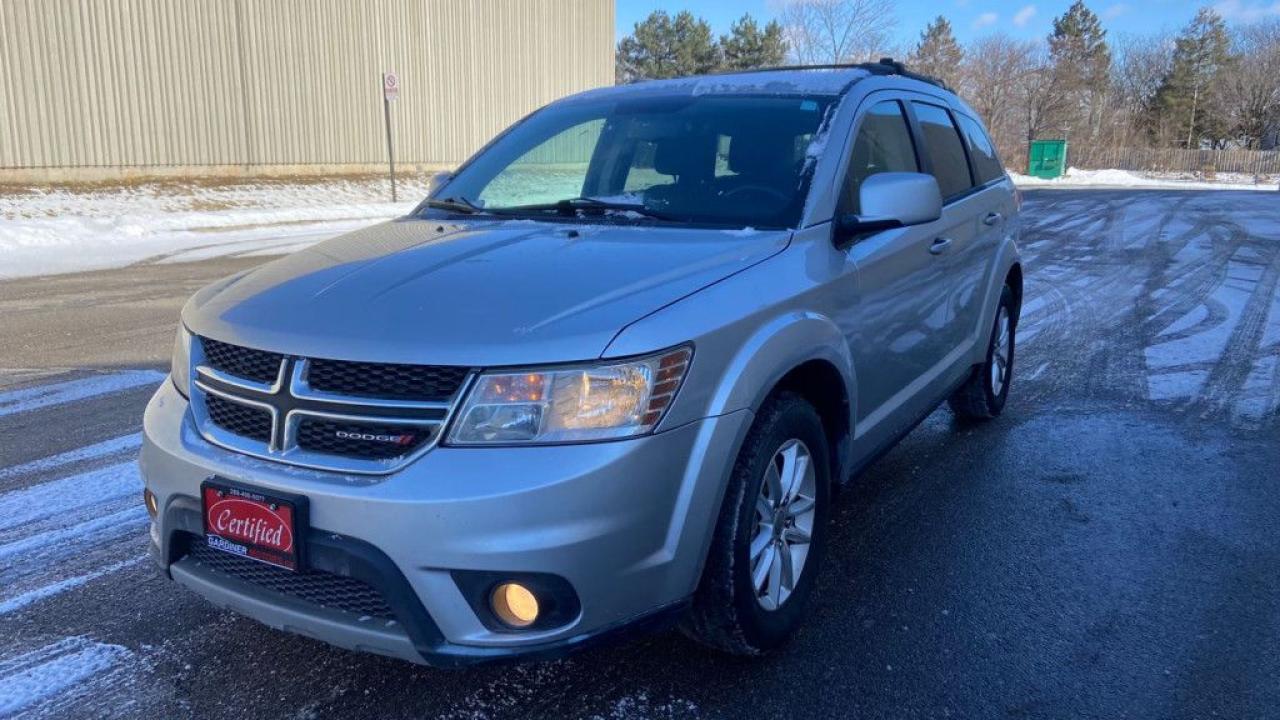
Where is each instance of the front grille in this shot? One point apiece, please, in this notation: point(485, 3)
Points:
point(380, 441)
point(386, 413)
point(386, 380)
point(237, 419)
point(256, 365)
point(335, 592)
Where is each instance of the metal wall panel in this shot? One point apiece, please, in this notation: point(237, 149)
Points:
point(162, 83)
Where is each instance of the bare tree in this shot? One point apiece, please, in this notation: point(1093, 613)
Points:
point(1042, 96)
point(995, 68)
point(1252, 90)
point(836, 31)
point(1139, 66)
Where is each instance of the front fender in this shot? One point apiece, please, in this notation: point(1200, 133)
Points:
point(775, 349)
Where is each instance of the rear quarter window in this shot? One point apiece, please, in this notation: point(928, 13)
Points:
point(945, 149)
point(986, 163)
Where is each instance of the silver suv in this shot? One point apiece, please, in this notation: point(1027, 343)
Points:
point(605, 377)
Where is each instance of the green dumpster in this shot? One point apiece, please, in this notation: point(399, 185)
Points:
point(1047, 158)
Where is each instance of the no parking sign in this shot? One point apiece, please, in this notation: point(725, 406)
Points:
point(390, 91)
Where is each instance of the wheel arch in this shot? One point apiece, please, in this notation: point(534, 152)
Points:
point(1013, 279)
point(804, 353)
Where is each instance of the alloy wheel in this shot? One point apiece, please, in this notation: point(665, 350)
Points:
point(1000, 352)
point(785, 511)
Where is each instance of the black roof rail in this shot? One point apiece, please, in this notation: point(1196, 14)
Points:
point(889, 66)
point(883, 66)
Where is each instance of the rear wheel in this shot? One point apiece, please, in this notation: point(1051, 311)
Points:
point(983, 395)
point(770, 534)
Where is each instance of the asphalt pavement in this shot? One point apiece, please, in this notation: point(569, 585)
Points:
point(1108, 548)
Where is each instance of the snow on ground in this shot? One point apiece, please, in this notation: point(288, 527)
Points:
point(55, 678)
point(57, 230)
point(46, 231)
point(1076, 177)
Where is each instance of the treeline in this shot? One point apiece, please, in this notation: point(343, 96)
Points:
point(1208, 86)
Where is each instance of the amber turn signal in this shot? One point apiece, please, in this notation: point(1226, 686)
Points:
point(150, 499)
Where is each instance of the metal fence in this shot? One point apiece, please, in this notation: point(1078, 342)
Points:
point(1254, 162)
point(190, 84)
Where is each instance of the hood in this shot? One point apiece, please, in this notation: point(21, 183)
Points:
point(478, 293)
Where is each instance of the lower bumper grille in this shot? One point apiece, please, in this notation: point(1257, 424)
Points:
point(335, 592)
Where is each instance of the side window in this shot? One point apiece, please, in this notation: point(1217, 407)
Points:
point(883, 144)
point(985, 162)
point(944, 148)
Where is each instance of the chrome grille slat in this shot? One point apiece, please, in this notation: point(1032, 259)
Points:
point(305, 422)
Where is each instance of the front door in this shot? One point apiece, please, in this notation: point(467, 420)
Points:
point(900, 306)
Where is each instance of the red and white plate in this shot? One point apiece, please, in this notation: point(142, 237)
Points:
point(253, 524)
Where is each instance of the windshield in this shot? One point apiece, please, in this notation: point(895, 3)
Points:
point(725, 160)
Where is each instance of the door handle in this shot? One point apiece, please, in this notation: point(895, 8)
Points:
point(940, 246)
point(992, 218)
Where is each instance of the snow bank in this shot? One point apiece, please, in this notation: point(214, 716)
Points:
point(1076, 177)
point(57, 230)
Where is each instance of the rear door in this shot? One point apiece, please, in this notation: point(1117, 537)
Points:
point(994, 204)
point(956, 240)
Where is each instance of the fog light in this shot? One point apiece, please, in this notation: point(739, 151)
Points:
point(150, 499)
point(514, 605)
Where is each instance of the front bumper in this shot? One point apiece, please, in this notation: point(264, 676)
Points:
point(625, 523)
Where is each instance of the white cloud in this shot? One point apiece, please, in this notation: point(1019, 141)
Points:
point(1247, 11)
point(962, 3)
point(986, 19)
point(1023, 16)
point(1115, 11)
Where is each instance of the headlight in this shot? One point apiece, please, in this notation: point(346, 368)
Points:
point(180, 370)
point(559, 405)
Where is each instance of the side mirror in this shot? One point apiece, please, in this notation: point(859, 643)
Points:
point(891, 200)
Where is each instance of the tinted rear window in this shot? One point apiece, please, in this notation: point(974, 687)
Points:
point(943, 146)
point(985, 161)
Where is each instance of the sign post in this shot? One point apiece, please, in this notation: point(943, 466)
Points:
point(390, 90)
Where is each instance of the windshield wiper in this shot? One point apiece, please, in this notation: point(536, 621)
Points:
point(456, 204)
point(570, 206)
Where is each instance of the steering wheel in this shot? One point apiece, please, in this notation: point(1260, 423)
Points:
point(763, 189)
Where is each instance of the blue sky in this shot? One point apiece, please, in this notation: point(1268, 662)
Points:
point(974, 18)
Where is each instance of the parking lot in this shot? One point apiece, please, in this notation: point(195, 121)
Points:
point(1107, 548)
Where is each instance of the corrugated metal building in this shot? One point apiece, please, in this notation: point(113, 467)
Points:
point(93, 89)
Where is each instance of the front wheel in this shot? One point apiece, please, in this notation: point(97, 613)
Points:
point(983, 395)
point(769, 536)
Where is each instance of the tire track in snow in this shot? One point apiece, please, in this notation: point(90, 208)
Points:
point(42, 396)
point(1226, 381)
point(59, 497)
point(57, 588)
point(114, 446)
point(62, 533)
point(50, 681)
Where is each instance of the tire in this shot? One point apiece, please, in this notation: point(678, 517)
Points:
point(727, 612)
point(982, 397)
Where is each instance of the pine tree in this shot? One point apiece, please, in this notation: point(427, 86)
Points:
point(664, 47)
point(1189, 102)
point(747, 47)
point(937, 54)
point(1081, 67)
